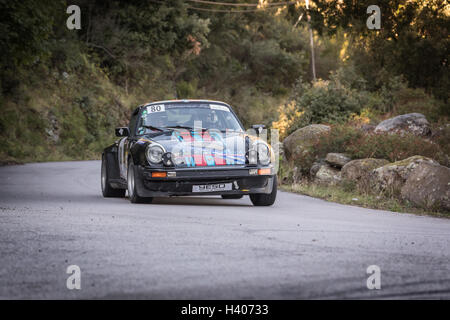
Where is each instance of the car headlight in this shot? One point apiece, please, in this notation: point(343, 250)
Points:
point(263, 154)
point(154, 153)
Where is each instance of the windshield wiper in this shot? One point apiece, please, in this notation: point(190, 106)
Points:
point(185, 127)
point(154, 128)
point(203, 129)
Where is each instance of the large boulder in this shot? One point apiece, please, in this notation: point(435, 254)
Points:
point(428, 186)
point(327, 175)
point(415, 123)
point(296, 145)
point(337, 159)
point(391, 177)
point(359, 170)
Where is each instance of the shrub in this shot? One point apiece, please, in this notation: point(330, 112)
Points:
point(187, 90)
point(441, 136)
point(392, 147)
point(334, 101)
point(359, 145)
point(285, 172)
point(338, 139)
point(326, 102)
point(410, 100)
point(288, 115)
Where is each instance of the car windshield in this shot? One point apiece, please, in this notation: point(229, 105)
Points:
point(159, 117)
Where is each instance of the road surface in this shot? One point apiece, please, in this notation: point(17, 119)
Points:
point(53, 215)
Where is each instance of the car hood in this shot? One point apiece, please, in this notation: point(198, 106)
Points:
point(204, 149)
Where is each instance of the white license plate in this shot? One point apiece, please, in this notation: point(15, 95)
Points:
point(212, 187)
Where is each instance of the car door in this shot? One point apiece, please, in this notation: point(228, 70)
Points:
point(126, 143)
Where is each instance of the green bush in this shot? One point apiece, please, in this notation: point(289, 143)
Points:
point(332, 101)
point(441, 136)
point(187, 90)
point(338, 139)
point(408, 100)
point(392, 147)
point(358, 145)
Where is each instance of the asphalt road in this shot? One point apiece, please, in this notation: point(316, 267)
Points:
point(53, 215)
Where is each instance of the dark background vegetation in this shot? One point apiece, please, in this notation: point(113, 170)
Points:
point(63, 91)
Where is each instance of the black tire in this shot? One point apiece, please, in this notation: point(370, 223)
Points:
point(262, 199)
point(131, 179)
point(232, 196)
point(107, 190)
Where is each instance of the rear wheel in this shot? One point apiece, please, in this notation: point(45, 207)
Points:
point(262, 199)
point(131, 183)
point(232, 196)
point(107, 190)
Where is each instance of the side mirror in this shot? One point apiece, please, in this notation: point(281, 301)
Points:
point(122, 132)
point(258, 127)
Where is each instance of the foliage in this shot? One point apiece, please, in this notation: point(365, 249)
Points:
point(392, 147)
point(408, 100)
point(289, 116)
point(329, 101)
point(25, 29)
point(63, 91)
point(358, 144)
point(441, 136)
point(413, 41)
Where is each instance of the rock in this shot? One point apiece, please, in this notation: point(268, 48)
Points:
point(315, 167)
point(368, 128)
point(337, 159)
point(428, 186)
point(391, 177)
point(415, 123)
point(356, 170)
point(328, 175)
point(296, 145)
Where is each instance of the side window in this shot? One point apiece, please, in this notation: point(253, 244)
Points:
point(133, 122)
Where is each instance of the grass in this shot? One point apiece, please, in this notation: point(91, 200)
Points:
point(338, 194)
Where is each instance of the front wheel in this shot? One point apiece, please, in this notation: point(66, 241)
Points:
point(131, 186)
point(107, 190)
point(262, 199)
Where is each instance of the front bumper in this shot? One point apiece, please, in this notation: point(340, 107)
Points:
point(182, 184)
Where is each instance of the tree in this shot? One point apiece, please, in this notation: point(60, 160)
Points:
point(413, 40)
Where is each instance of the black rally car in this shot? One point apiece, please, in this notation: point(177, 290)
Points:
point(188, 147)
